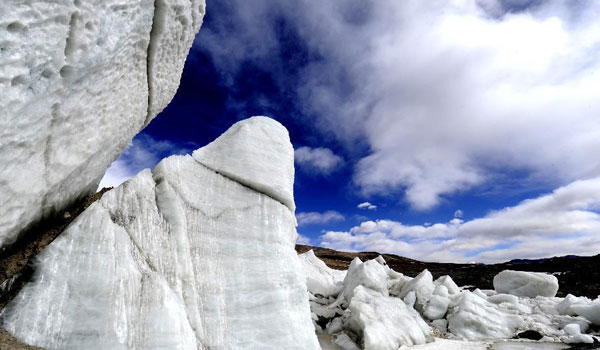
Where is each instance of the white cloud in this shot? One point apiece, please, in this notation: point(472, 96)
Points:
point(463, 95)
point(319, 218)
point(446, 94)
point(566, 221)
point(144, 152)
point(322, 160)
point(303, 240)
point(366, 205)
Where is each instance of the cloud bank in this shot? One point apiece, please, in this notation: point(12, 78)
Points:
point(566, 221)
point(312, 218)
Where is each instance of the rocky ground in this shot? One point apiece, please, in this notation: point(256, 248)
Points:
point(7, 342)
point(579, 276)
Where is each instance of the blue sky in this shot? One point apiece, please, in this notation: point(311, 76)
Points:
point(471, 127)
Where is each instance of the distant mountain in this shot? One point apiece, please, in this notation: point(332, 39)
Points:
point(538, 261)
point(578, 275)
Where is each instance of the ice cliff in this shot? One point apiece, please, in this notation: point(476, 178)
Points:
point(198, 254)
point(79, 79)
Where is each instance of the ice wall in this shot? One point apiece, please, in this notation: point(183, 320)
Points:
point(181, 258)
point(78, 80)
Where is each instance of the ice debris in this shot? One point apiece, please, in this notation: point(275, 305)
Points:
point(320, 279)
point(379, 308)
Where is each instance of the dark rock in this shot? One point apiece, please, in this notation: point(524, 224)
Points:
point(530, 334)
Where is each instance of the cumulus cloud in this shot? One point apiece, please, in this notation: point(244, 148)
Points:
point(318, 218)
point(143, 152)
point(566, 221)
point(303, 240)
point(322, 160)
point(446, 94)
point(466, 93)
point(366, 205)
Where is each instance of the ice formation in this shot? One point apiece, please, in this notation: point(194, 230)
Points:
point(183, 257)
point(267, 169)
point(526, 284)
point(379, 308)
point(321, 279)
point(591, 311)
point(383, 322)
point(79, 79)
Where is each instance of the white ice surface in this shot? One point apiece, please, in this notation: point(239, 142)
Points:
point(255, 156)
point(75, 90)
point(565, 307)
point(385, 323)
point(181, 258)
point(370, 274)
point(422, 286)
point(176, 23)
point(590, 311)
point(94, 289)
point(474, 318)
point(526, 284)
point(436, 307)
point(320, 278)
point(447, 282)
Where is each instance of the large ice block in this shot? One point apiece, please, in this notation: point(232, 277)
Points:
point(78, 80)
point(181, 258)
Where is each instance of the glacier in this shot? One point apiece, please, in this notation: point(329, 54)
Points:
point(183, 257)
point(376, 307)
point(78, 80)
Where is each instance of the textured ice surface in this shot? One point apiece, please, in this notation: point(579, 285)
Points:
point(474, 318)
point(175, 25)
point(573, 331)
point(181, 258)
point(526, 284)
point(374, 316)
point(565, 307)
point(447, 282)
point(422, 286)
point(590, 311)
point(437, 307)
point(363, 313)
point(384, 322)
point(253, 155)
point(370, 274)
point(78, 80)
point(320, 278)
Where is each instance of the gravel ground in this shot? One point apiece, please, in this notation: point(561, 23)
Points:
point(7, 342)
